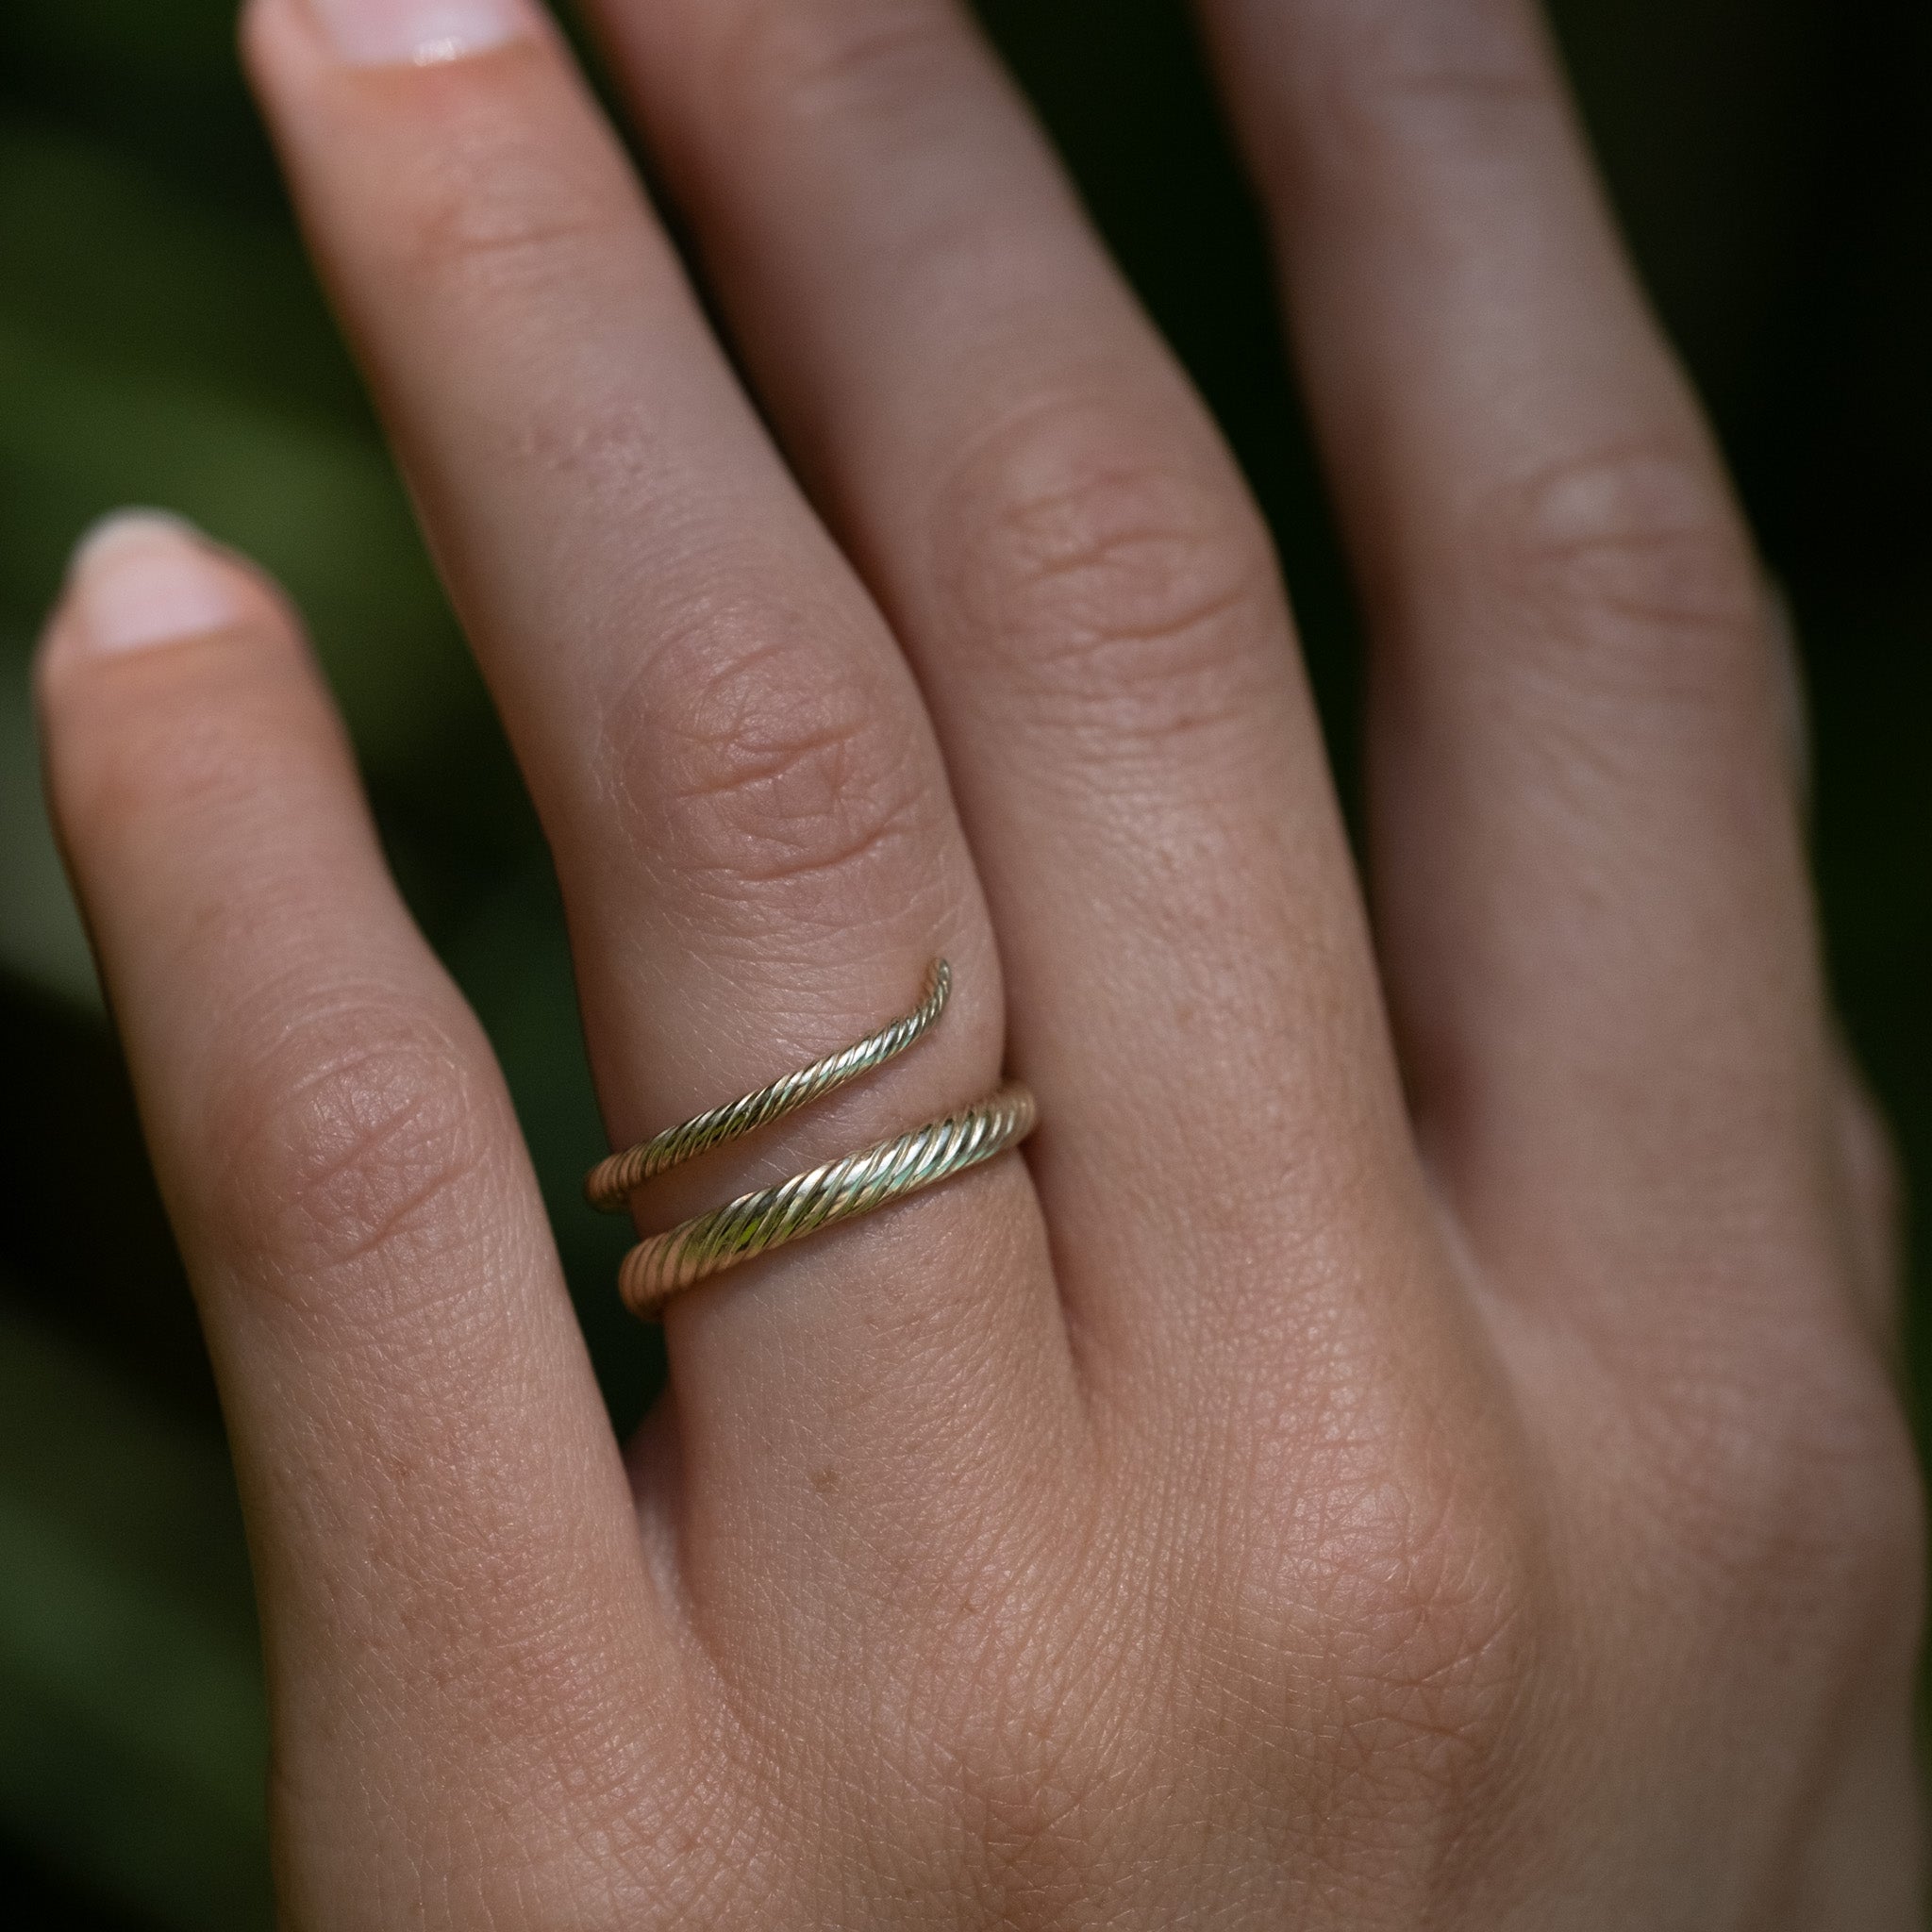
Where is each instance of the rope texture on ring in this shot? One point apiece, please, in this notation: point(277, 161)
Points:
point(613, 1182)
point(656, 1270)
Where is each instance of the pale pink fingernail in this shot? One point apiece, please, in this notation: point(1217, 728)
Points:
point(405, 33)
point(144, 577)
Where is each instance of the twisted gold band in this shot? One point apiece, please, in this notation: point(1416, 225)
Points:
point(667, 1264)
point(655, 1271)
point(613, 1182)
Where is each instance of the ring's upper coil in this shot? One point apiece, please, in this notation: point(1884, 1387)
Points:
point(665, 1265)
point(613, 1182)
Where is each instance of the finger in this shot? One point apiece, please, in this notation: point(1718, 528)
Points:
point(1872, 1204)
point(1095, 616)
point(450, 1576)
point(749, 815)
point(1592, 898)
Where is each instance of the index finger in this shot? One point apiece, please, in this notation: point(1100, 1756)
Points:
point(445, 1551)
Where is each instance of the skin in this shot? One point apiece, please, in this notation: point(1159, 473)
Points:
point(1410, 1442)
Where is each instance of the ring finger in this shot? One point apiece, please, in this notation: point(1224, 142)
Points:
point(1095, 614)
point(749, 814)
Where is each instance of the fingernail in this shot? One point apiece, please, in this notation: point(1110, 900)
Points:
point(144, 577)
point(419, 33)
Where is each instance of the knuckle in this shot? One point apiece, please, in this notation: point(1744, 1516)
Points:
point(1390, 75)
point(1800, 1499)
point(1028, 1800)
point(493, 211)
point(1429, 1606)
point(350, 1139)
point(1029, 1751)
point(1388, 1587)
point(754, 763)
point(1777, 1486)
point(1122, 593)
point(825, 59)
point(1630, 566)
point(127, 747)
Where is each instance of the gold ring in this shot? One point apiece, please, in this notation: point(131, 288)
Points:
point(667, 1264)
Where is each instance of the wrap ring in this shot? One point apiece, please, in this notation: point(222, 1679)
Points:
point(665, 1265)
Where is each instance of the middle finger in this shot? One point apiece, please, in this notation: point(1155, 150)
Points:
point(751, 822)
point(1092, 603)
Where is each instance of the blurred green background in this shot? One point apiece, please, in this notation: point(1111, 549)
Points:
point(162, 343)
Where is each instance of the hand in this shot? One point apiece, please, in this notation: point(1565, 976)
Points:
point(1297, 1491)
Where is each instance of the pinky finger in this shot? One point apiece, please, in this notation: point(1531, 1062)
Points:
point(423, 1459)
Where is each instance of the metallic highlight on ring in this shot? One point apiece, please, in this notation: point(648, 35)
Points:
point(613, 1182)
point(663, 1267)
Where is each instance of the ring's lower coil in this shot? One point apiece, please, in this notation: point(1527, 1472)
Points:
point(665, 1265)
